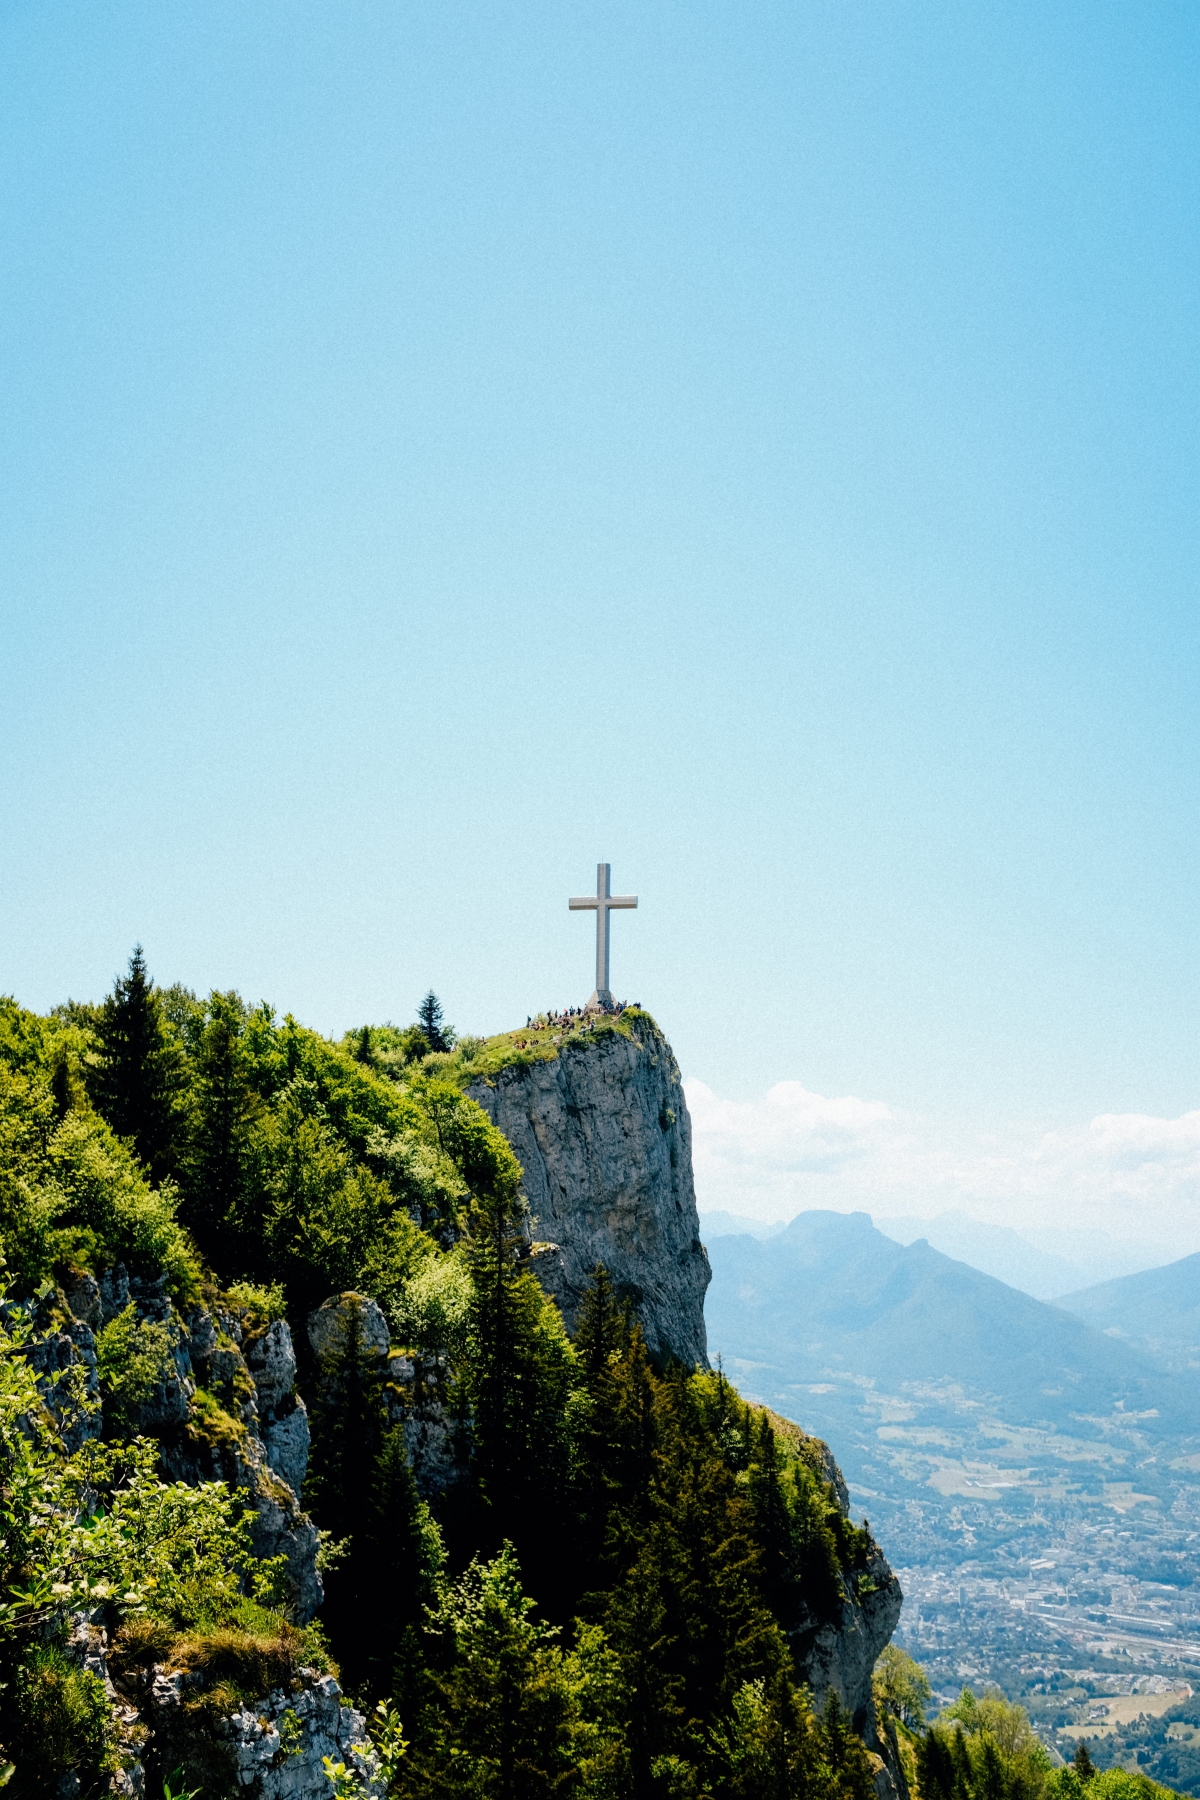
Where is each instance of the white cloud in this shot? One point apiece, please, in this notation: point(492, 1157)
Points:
point(1126, 1174)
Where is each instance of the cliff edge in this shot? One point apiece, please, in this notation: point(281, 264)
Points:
point(602, 1132)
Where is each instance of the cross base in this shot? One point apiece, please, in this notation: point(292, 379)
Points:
point(601, 1002)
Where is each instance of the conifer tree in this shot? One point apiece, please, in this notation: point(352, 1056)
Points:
point(773, 1529)
point(227, 1107)
point(935, 1767)
point(516, 1378)
point(138, 1080)
point(438, 1035)
point(345, 1493)
point(504, 1726)
point(394, 1571)
point(1084, 1767)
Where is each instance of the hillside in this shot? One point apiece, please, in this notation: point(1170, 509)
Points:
point(310, 1485)
point(833, 1299)
point(1157, 1311)
point(993, 1250)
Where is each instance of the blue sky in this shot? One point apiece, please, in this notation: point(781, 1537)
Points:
point(444, 445)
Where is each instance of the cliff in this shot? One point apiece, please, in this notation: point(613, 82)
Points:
point(602, 1132)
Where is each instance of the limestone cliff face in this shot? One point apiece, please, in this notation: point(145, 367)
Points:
point(603, 1135)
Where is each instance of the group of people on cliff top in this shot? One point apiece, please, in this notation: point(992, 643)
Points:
point(560, 1021)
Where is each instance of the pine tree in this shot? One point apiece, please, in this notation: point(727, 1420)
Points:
point(429, 1017)
point(601, 1333)
point(1084, 1767)
point(138, 1081)
point(227, 1107)
point(935, 1767)
point(395, 1570)
point(504, 1726)
point(516, 1378)
point(344, 1493)
point(774, 1535)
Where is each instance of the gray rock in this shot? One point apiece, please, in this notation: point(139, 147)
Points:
point(169, 1402)
point(417, 1395)
point(603, 1136)
point(287, 1438)
point(82, 1293)
point(271, 1360)
point(272, 1748)
point(842, 1654)
point(279, 1527)
point(333, 1326)
point(114, 1292)
point(319, 1724)
point(64, 1363)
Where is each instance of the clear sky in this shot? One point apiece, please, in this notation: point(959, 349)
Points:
point(442, 445)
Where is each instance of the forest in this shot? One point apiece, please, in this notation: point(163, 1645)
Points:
point(607, 1597)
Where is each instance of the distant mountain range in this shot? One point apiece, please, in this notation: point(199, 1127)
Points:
point(954, 1403)
point(1156, 1311)
point(1044, 1263)
point(831, 1298)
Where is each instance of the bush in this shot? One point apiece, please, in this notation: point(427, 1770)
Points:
point(134, 1358)
point(259, 1306)
point(62, 1723)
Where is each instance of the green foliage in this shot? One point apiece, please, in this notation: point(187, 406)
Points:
point(503, 1720)
point(1110, 1784)
point(220, 1205)
point(70, 1191)
point(133, 1358)
point(62, 1712)
point(136, 1074)
point(437, 1034)
point(259, 1305)
point(901, 1688)
point(983, 1748)
point(642, 1550)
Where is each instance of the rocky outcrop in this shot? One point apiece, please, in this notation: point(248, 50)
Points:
point(603, 1136)
point(271, 1748)
point(415, 1388)
point(282, 1414)
point(841, 1652)
point(418, 1396)
point(258, 1440)
point(224, 1408)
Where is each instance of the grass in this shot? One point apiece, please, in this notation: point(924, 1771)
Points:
point(485, 1059)
point(209, 1422)
point(238, 1661)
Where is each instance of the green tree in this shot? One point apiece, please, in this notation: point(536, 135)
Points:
point(137, 1082)
point(901, 1689)
point(438, 1034)
point(516, 1378)
point(504, 1723)
point(222, 1207)
point(349, 1421)
point(397, 1568)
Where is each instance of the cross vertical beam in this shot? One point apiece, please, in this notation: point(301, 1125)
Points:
point(604, 903)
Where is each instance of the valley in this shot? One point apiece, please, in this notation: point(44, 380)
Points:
point(1055, 1555)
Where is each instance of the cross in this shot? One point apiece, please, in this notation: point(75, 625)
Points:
point(602, 905)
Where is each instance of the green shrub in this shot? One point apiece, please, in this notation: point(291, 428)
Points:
point(62, 1723)
point(259, 1306)
point(134, 1357)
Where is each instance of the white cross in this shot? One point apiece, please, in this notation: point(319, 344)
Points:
point(602, 905)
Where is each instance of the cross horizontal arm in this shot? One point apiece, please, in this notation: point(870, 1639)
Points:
point(589, 903)
point(621, 900)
